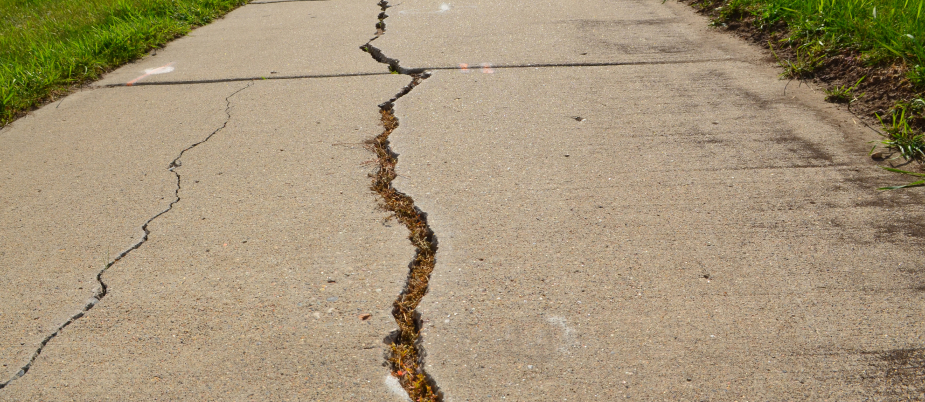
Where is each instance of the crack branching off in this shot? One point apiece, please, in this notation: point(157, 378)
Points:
point(406, 355)
point(103, 289)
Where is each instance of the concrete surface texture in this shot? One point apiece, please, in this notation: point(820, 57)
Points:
point(267, 40)
point(542, 32)
point(254, 284)
point(79, 180)
point(678, 231)
point(628, 206)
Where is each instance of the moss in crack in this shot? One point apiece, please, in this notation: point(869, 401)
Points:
point(405, 356)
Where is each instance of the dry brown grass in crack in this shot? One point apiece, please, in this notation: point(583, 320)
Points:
point(405, 355)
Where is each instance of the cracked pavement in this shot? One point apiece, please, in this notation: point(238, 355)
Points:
point(648, 216)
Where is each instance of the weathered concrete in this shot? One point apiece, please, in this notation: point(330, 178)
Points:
point(676, 231)
point(233, 296)
point(79, 179)
point(82, 176)
point(267, 40)
point(429, 33)
point(668, 225)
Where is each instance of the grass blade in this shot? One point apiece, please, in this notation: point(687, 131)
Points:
point(894, 170)
point(913, 184)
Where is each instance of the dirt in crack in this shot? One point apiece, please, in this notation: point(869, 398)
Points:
point(103, 289)
point(394, 65)
point(380, 26)
point(406, 355)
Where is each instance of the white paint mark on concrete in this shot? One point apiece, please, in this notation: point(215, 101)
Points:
point(153, 71)
point(568, 333)
point(393, 385)
point(444, 7)
point(159, 70)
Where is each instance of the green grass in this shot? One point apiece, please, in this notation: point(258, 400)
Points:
point(805, 62)
point(883, 31)
point(913, 184)
point(901, 137)
point(843, 93)
point(50, 46)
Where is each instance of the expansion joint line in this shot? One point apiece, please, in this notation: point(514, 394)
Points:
point(405, 356)
point(102, 289)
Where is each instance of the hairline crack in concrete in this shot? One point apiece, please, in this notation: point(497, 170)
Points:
point(405, 357)
point(103, 289)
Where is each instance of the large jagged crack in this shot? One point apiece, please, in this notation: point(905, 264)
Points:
point(103, 289)
point(405, 356)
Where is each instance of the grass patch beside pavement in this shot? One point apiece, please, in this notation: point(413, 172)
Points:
point(869, 54)
point(48, 47)
point(882, 31)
